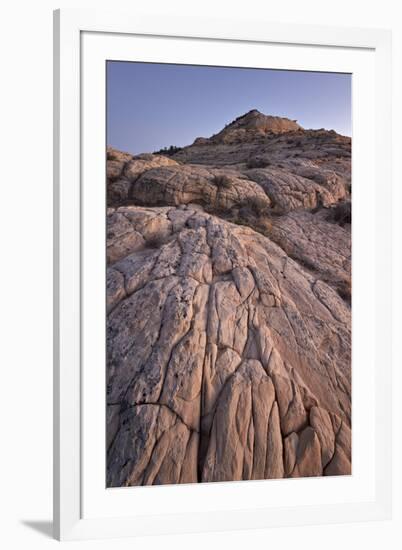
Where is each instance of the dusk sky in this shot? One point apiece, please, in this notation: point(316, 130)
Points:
point(150, 106)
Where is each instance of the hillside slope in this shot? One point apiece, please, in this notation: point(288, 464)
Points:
point(228, 296)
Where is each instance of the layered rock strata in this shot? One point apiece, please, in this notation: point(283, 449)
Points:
point(229, 315)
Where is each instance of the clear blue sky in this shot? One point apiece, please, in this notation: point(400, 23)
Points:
point(150, 106)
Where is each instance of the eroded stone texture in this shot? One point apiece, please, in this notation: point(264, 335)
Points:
point(322, 247)
point(221, 328)
point(122, 169)
point(214, 189)
point(228, 344)
point(289, 190)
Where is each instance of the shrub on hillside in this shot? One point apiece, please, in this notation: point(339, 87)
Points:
point(254, 206)
point(222, 180)
point(341, 213)
point(258, 163)
point(168, 151)
point(344, 289)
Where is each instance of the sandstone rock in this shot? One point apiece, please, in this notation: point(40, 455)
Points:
point(254, 124)
point(308, 457)
point(141, 163)
point(123, 169)
point(322, 247)
point(290, 444)
point(229, 344)
point(193, 331)
point(274, 468)
point(175, 185)
point(238, 442)
point(321, 422)
point(113, 169)
point(149, 448)
point(289, 191)
point(286, 145)
point(116, 155)
point(122, 238)
point(339, 465)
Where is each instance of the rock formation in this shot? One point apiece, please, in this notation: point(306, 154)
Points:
point(229, 314)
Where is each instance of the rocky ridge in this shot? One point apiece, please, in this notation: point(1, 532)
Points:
point(228, 298)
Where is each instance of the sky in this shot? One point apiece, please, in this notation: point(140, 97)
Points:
point(153, 105)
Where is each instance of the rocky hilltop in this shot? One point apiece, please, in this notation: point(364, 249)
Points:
point(251, 126)
point(229, 315)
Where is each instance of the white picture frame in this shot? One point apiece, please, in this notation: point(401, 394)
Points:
point(83, 508)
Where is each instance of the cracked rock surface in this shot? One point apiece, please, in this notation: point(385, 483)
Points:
point(228, 299)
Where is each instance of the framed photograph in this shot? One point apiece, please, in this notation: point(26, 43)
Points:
point(222, 304)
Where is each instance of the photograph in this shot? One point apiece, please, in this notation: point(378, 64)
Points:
point(228, 274)
point(209, 354)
